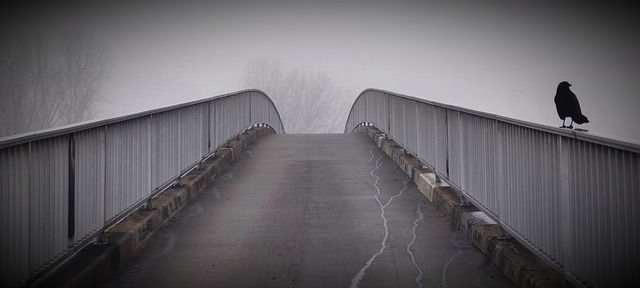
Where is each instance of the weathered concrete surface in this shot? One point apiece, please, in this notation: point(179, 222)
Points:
point(519, 264)
point(310, 211)
point(97, 263)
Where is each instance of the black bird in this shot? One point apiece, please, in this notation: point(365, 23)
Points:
point(568, 106)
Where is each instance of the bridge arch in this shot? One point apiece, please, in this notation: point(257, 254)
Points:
point(61, 187)
point(568, 196)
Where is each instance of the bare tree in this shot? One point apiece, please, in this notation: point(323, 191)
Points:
point(307, 101)
point(48, 79)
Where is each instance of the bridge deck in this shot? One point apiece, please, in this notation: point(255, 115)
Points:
point(310, 211)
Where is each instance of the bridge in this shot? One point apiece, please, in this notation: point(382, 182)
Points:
point(547, 206)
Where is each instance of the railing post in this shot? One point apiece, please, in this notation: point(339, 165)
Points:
point(250, 108)
point(446, 142)
point(209, 127)
point(150, 156)
point(389, 113)
point(499, 171)
point(180, 137)
point(102, 239)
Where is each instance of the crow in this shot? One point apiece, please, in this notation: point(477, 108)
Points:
point(568, 106)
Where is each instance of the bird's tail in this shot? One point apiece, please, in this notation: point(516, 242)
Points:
point(580, 119)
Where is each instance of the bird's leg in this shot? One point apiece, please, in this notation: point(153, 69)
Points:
point(571, 125)
point(563, 123)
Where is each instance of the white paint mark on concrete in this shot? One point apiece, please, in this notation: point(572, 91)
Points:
point(413, 240)
point(356, 279)
point(383, 245)
point(372, 155)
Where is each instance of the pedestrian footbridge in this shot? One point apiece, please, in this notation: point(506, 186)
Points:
point(372, 207)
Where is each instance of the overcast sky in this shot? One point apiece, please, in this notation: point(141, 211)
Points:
point(493, 56)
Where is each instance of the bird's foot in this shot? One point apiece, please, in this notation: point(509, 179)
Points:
point(570, 127)
point(563, 126)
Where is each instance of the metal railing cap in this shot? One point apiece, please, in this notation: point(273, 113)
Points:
point(76, 127)
point(632, 147)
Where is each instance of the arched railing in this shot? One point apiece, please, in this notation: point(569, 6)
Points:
point(60, 187)
point(570, 197)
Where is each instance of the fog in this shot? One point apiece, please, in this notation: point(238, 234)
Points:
point(497, 57)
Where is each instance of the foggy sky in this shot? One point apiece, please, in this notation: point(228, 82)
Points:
point(493, 56)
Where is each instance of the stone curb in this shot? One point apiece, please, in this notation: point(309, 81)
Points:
point(97, 263)
point(515, 261)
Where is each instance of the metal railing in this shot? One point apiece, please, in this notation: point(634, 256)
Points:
point(59, 188)
point(572, 198)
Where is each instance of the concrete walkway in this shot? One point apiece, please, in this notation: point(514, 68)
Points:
point(310, 211)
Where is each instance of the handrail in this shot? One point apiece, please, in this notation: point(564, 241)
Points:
point(65, 129)
point(62, 187)
point(570, 197)
point(632, 147)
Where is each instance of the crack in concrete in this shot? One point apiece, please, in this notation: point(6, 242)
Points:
point(383, 245)
point(459, 246)
point(446, 267)
point(356, 279)
point(372, 155)
point(413, 240)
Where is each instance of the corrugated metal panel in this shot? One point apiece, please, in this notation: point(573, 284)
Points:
point(383, 110)
point(425, 126)
point(89, 182)
point(259, 108)
point(49, 188)
point(191, 136)
point(234, 120)
point(410, 120)
point(15, 208)
point(441, 149)
point(396, 118)
point(532, 182)
point(454, 147)
point(245, 110)
point(604, 187)
point(165, 147)
point(214, 129)
point(127, 166)
point(220, 124)
point(274, 119)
